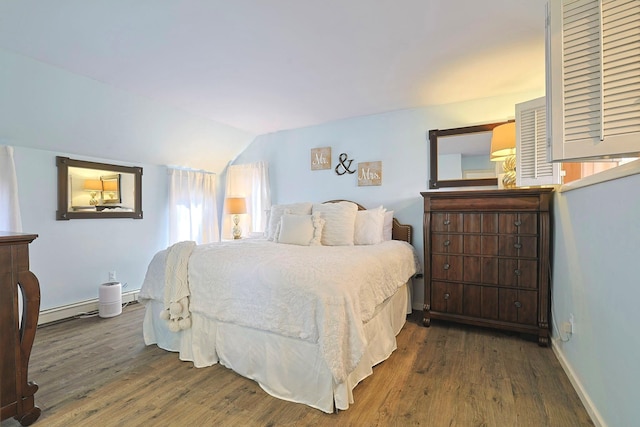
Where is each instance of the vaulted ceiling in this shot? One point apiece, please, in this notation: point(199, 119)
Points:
point(268, 65)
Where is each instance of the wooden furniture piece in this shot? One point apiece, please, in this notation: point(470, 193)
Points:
point(486, 258)
point(17, 333)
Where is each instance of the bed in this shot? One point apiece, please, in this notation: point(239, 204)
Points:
point(305, 311)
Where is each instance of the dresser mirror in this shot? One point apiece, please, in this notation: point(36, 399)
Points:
point(98, 190)
point(460, 157)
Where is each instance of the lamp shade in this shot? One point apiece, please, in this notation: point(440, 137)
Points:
point(236, 205)
point(503, 141)
point(92, 185)
point(110, 185)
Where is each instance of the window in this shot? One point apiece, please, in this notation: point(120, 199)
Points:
point(251, 181)
point(193, 214)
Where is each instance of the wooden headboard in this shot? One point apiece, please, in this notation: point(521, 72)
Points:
point(399, 231)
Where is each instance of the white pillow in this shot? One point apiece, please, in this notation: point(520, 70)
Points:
point(387, 228)
point(340, 222)
point(304, 230)
point(369, 226)
point(277, 211)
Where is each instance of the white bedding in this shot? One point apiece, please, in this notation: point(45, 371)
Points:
point(314, 293)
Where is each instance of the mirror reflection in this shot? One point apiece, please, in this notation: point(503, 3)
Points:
point(98, 190)
point(460, 157)
point(465, 156)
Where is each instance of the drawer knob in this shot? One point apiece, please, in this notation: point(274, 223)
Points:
point(447, 242)
point(517, 272)
point(517, 245)
point(446, 266)
point(446, 296)
point(518, 223)
point(517, 304)
point(447, 222)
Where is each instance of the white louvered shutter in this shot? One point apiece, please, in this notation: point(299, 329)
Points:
point(594, 67)
point(532, 166)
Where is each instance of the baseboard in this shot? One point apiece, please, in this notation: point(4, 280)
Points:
point(67, 311)
point(577, 385)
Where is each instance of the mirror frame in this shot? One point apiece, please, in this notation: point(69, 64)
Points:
point(434, 134)
point(63, 213)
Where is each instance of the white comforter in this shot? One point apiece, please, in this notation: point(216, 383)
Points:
point(320, 294)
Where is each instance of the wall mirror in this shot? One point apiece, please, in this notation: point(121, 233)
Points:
point(460, 157)
point(98, 190)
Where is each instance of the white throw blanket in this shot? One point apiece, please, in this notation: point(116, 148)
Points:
point(176, 291)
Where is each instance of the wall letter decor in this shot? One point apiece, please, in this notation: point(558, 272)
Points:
point(320, 158)
point(369, 173)
point(344, 164)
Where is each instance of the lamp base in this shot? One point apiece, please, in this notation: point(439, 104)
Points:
point(237, 231)
point(509, 168)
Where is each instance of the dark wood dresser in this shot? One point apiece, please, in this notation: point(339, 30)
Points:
point(486, 258)
point(16, 337)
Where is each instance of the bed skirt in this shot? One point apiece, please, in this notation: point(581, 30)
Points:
point(284, 367)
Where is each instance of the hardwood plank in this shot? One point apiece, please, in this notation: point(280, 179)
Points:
point(96, 371)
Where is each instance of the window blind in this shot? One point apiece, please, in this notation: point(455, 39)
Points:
point(532, 167)
point(601, 65)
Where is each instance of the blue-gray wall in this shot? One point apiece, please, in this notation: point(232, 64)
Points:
point(595, 278)
point(397, 139)
point(596, 249)
point(46, 112)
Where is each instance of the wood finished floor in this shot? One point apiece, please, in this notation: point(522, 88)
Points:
point(98, 372)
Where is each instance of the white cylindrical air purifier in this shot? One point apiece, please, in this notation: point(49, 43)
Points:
point(110, 299)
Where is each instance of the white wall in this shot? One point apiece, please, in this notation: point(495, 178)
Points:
point(596, 278)
point(398, 139)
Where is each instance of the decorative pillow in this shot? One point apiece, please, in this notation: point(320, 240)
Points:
point(340, 221)
point(369, 226)
point(387, 228)
point(277, 211)
point(303, 230)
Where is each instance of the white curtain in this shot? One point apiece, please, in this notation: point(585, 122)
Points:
point(250, 180)
point(193, 214)
point(10, 219)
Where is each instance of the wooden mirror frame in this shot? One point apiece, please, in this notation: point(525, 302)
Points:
point(434, 134)
point(63, 213)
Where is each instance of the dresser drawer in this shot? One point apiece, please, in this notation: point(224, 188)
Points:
point(518, 306)
point(518, 223)
point(446, 243)
point(446, 267)
point(480, 270)
point(447, 297)
point(518, 273)
point(476, 244)
point(518, 246)
point(485, 222)
point(447, 222)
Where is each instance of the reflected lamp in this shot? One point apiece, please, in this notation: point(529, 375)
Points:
point(503, 149)
point(111, 187)
point(236, 206)
point(93, 186)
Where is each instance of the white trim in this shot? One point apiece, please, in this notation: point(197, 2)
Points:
point(596, 418)
point(621, 171)
point(72, 310)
